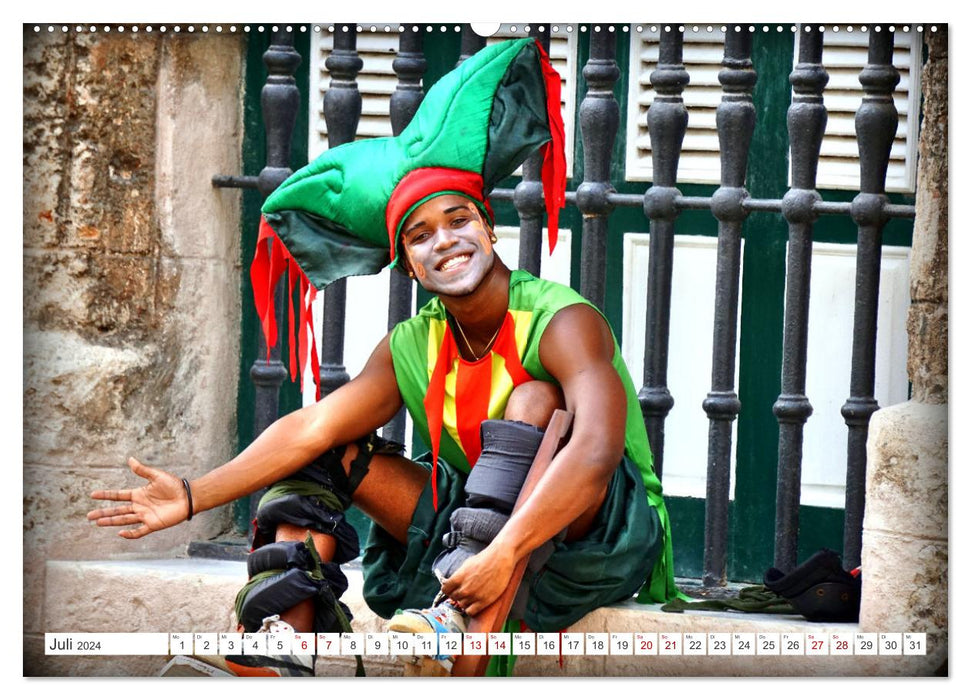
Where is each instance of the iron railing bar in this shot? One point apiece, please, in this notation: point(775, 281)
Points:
point(342, 112)
point(735, 122)
point(243, 182)
point(876, 124)
point(667, 120)
point(528, 197)
point(806, 120)
point(410, 66)
point(280, 101)
point(599, 122)
point(749, 204)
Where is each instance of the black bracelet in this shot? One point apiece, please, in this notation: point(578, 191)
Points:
point(188, 495)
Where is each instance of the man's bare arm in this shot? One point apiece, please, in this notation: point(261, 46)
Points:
point(577, 349)
point(360, 406)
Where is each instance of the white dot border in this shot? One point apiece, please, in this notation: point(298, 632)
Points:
point(616, 29)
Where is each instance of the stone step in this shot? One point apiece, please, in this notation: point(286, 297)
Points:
point(197, 595)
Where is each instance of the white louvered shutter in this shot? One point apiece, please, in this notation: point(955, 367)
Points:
point(844, 56)
point(703, 53)
point(376, 81)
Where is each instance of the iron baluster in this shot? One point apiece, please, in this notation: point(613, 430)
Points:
point(735, 121)
point(876, 125)
point(409, 66)
point(599, 120)
point(528, 194)
point(471, 43)
point(342, 112)
point(280, 100)
point(807, 123)
point(667, 122)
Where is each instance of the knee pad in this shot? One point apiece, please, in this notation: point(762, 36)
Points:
point(317, 496)
point(298, 503)
point(508, 449)
point(327, 470)
point(284, 574)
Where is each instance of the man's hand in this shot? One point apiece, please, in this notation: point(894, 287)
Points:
point(481, 579)
point(160, 504)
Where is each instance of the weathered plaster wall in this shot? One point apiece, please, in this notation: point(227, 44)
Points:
point(927, 323)
point(131, 280)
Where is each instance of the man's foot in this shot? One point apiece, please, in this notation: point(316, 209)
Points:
point(443, 618)
point(272, 665)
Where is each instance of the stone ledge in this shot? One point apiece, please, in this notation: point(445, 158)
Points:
point(152, 595)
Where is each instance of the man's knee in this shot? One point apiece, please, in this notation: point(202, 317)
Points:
point(534, 403)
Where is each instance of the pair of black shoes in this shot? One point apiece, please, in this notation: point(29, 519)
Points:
point(819, 589)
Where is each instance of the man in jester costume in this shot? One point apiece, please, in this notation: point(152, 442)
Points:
point(480, 368)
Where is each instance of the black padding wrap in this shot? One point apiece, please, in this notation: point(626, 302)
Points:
point(280, 591)
point(819, 589)
point(472, 531)
point(284, 574)
point(508, 449)
point(328, 471)
point(279, 555)
point(317, 496)
point(306, 511)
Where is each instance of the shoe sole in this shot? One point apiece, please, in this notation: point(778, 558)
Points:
point(409, 623)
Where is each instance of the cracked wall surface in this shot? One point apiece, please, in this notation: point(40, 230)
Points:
point(131, 281)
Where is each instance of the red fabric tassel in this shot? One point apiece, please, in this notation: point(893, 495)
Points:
point(554, 153)
point(270, 262)
point(435, 402)
point(294, 274)
point(314, 357)
point(302, 340)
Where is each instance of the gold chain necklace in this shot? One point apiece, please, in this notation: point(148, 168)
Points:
point(487, 345)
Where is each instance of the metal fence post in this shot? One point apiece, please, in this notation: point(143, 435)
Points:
point(280, 100)
point(735, 120)
point(599, 121)
point(667, 122)
point(342, 111)
point(409, 65)
point(876, 125)
point(807, 123)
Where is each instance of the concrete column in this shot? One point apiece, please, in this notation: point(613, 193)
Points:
point(905, 537)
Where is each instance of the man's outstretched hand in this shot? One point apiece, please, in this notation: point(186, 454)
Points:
point(161, 503)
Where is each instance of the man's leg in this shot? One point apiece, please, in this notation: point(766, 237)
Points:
point(388, 495)
point(508, 449)
point(302, 538)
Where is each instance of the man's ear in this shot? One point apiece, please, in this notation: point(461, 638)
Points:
point(404, 265)
point(485, 224)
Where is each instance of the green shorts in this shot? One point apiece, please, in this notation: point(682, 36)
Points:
point(607, 565)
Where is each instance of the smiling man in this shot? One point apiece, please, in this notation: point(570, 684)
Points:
point(480, 368)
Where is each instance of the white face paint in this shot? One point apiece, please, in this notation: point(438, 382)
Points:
point(447, 243)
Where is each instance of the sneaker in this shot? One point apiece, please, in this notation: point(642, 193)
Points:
point(444, 618)
point(272, 665)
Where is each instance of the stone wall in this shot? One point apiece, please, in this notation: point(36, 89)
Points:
point(905, 535)
point(131, 281)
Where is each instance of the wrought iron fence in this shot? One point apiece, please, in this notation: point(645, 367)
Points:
point(662, 203)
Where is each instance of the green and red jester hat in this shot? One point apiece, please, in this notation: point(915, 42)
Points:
point(341, 214)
